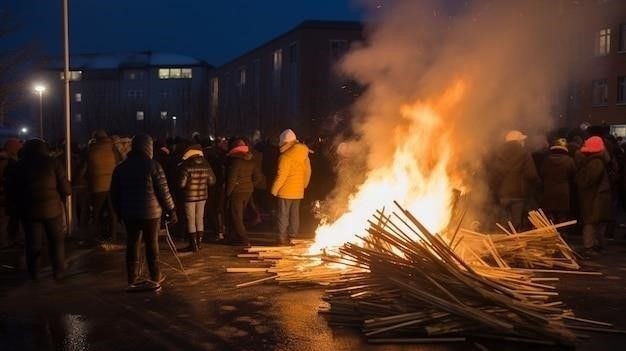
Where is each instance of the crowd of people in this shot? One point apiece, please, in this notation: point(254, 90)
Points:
point(581, 177)
point(145, 184)
point(219, 187)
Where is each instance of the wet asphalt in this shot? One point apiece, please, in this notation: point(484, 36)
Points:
point(90, 310)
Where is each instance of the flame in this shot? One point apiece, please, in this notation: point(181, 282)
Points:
point(417, 175)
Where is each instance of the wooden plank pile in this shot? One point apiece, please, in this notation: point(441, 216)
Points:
point(542, 247)
point(293, 265)
point(416, 288)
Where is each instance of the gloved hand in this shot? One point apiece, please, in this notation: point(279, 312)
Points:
point(171, 217)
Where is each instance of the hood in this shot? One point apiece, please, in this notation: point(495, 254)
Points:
point(142, 144)
point(35, 147)
point(192, 152)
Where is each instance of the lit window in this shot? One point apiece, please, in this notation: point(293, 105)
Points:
point(622, 37)
point(164, 73)
point(175, 73)
point(242, 76)
point(278, 60)
point(140, 115)
point(621, 90)
point(163, 114)
point(600, 91)
point(603, 42)
point(78, 97)
point(74, 75)
point(78, 117)
point(277, 65)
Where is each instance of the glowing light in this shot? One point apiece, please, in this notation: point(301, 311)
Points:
point(417, 175)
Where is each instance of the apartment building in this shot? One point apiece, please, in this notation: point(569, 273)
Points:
point(288, 82)
point(157, 93)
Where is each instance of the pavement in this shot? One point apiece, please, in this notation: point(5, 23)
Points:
point(90, 309)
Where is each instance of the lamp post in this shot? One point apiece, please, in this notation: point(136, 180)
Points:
point(39, 89)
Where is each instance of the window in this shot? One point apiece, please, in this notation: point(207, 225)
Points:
point(163, 114)
point(175, 73)
point(74, 75)
point(78, 117)
point(214, 96)
point(140, 115)
point(603, 42)
point(242, 76)
point(600, 91)
point(78, 97)
point(622, 37)
point(277, 65)
point(293, 53)
point(621, 90)
point(133, 75)
point(135, 94)
point(338, 48)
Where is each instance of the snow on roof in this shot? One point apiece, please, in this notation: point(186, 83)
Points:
point(120, 60)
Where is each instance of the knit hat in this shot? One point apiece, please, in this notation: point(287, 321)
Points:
point(98, 134)
point(559, 144)
point(287, 136)
point(593, 145)
point(515, 135)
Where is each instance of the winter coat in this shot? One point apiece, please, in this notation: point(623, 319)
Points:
point(294, 172)
point(37, 184)
point(513, 172)
point(241, 173)
point(557, 173)
point(139, 189)
point(594, 190)
point(195, 177)
point(99, 163)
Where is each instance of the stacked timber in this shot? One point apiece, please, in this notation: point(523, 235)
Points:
point(542, 247)
point(416, 288)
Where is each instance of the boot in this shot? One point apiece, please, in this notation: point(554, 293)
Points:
point(133, 272)
point(199, 236)
point(193, 244)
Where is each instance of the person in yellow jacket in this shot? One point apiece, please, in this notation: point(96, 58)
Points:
point(292, 178)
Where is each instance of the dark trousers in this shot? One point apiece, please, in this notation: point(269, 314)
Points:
point(237, 202)
point(148, 229)
point(101, 201)
point(215, 209)
point(54, 230)
point(513, 211)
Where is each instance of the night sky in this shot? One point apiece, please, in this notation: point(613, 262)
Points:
point(213, 30)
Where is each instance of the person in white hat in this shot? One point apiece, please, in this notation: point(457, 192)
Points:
point(513, 177)
point(292, 178)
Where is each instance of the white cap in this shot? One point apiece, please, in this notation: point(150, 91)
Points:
point(515, 135)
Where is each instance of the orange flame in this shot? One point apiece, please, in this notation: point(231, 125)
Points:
point(417, 175)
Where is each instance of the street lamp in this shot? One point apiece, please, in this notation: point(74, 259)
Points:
point(39, 89)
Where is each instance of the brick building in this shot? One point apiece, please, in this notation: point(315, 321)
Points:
point(288, 82)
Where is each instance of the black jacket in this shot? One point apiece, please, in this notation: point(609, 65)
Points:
point(242, 174)
point(37, 183)
point(139, 188)
point(195, 177)
point(557, 172)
